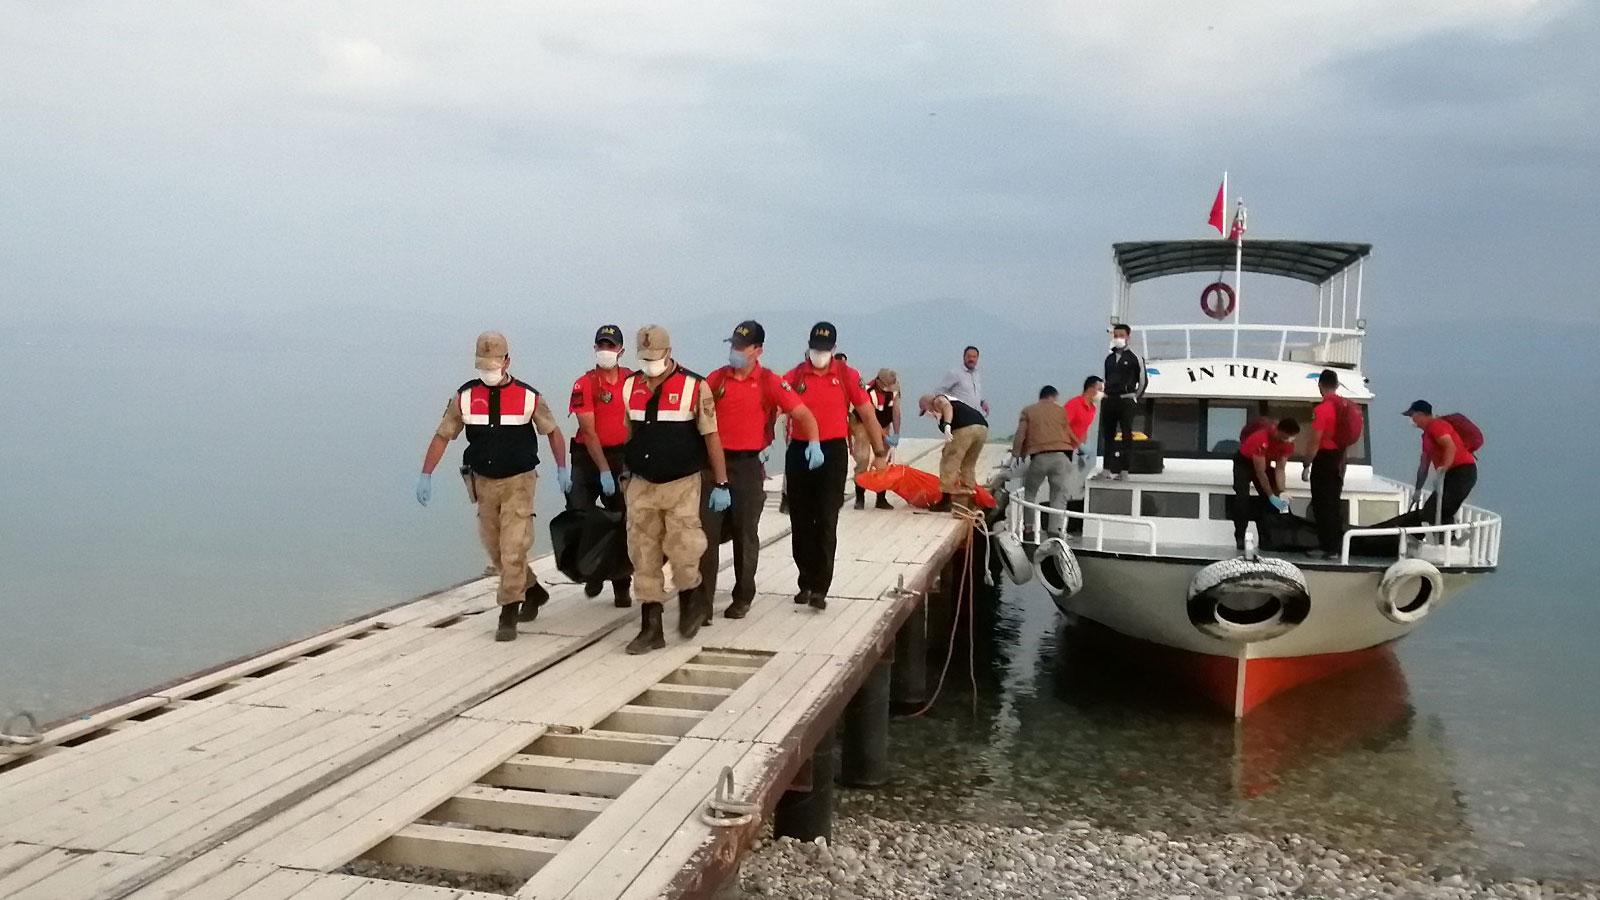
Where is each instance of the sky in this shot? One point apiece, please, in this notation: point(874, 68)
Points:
point(438, 166)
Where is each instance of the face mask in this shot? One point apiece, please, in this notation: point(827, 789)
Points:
point(653, 367)
point(1118, 343)
point(491, 377)
point(820, 358)
point(606, 359)
point(739, 359)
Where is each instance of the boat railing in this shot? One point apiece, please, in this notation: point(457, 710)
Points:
point(1315, 345)
point(1025, 517)
point(1476, 532)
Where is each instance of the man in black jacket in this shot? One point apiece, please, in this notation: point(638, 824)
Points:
point(1125, 381)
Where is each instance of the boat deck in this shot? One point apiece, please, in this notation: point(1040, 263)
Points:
point(410, 738)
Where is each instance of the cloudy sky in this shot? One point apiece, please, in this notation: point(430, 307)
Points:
point(199, 161)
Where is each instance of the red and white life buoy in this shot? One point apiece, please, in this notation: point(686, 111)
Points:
point(1218, 300)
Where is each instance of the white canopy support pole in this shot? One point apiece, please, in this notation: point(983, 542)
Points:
point(1322, 290)
point(1344, 297)
point(1238, 277)
point(1116, 287)
point(1360, 271)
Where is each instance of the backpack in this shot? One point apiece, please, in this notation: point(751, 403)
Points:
point(1349, 423)
point(1471, 435)
point(1258, 424)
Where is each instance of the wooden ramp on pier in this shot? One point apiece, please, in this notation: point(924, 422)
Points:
point(334, 766)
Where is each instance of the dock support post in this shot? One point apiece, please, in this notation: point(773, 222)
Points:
point(908, 679)
point(808, 815)
point(864, 752)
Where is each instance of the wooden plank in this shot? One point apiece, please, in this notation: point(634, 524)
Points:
point(280, 885)
point(552, 815)
point(84, 726)
point(298, 649)
point(465, 850)
point(344, 820)
point(652, 720)
point(14, 855)
point(731, 658)
point(215, 876)
point(18, 783)
point(608, 830)
point(717, 722)
point(641, 749)
point(338, 667)
point(83, 875)
point(708, 676)
point(573, 694)
point(682, 696)
point(595, 777)
point(805, 704)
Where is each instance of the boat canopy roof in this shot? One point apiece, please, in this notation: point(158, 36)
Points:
point(1313, 261)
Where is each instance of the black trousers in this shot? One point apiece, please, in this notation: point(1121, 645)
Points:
point(586, 492)
point(747, 483)
point(1117, 414)
point(1327, 498)
point(815, 497)
point(1249, 507)
point(1458, 483)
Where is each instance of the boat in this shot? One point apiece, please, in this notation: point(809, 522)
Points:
point(1156, 559)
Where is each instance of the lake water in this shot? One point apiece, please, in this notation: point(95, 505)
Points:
point(173, 498)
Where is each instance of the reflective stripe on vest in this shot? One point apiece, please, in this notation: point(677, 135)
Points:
point(517, 404)
point(880, 399)
point(678, 394)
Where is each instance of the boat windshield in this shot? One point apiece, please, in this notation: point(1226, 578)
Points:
point(1206, 428)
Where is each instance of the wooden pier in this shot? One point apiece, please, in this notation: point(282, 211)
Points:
point(411, 738)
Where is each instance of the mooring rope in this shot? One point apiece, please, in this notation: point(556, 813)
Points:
point(966, 594)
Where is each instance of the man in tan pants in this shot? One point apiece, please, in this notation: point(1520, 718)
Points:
point(502, 418)
point(965, 430)
point(672, 439)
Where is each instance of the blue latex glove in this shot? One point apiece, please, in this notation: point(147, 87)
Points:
point(608, 483)
point(1279, 504)
point(424, 488)
point(892, 439)
point(814, 455)
point(564, 479)
point(720, 500)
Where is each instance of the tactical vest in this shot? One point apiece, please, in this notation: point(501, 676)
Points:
point(665, 443)
point(883, 403)
point(501, 440)
point(962, 415)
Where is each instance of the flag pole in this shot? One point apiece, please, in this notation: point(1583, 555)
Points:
point(1238, 277)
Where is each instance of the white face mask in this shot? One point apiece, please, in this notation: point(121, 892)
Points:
point(606, 359)
point(1118, 343)
point(491, 377)
point(653, 367)
point(820, 358)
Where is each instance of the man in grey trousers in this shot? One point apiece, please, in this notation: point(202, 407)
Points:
point(1044, 439)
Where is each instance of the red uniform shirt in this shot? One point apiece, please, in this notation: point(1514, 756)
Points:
point(610, 408)
point(746, 406)
point(1262, 444)
point(830, 395)
point(1325, 421)
point(1431, 445)
point(1080, 415)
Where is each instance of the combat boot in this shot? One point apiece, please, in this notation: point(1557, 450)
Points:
point(532, 598)
point(592, 589)
point(690, 615)
point(942, 506)
point(883, 502)
point(506, 628)
point(737, 609)
point(650, 636)
point(621, 598)
point(861, 497)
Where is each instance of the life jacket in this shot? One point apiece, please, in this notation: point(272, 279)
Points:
point(1469, 432)
point(501, 439)
point(664, 443)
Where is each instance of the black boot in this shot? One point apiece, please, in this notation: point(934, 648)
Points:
point(592, 588)
point(506, 628)
point(861, 497)
point(883, 502)
point(650, 636)
point(818, 601)
point(620, 597)
point(690, 615)
point(737, 609)
point(802, 598)
point(532, 598)
point(783, 504)
point(942, 506)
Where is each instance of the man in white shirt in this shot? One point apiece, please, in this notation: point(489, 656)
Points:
point(964, 383)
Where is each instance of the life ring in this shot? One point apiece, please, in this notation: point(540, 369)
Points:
point(1408, 590)
point(1013, 559)
point(1218, 300)
point(1057, 568)
point(1248, 600)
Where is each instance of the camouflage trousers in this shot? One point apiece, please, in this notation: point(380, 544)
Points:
point(505, 525)
point(664, 527)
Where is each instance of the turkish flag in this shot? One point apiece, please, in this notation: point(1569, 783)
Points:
point(1216, 211)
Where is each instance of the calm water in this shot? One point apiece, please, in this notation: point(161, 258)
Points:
point(170, 499)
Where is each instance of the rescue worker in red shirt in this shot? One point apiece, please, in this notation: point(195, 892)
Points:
point(1081, 411)
point(749, 397)
point(1453, 463)
point(502, 418)
point(829, 389)
point(672, 439)
point(597, 448)
point(1325, 468)
point(1264, 450)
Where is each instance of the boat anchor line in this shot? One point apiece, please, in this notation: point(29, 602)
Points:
point(722, 811)
point(11, 737)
